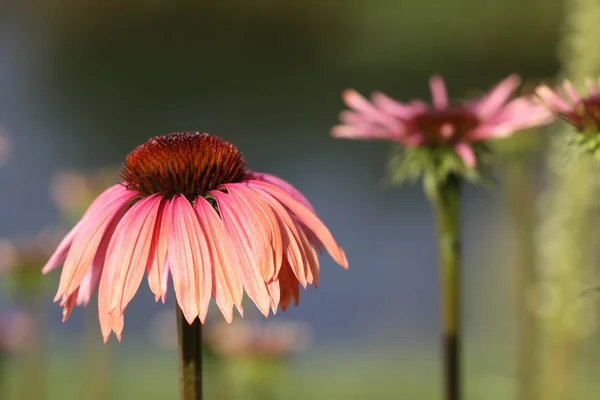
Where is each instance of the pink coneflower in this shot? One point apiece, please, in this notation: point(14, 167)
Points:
point(188, 207)
point(457, 126)
point(581, 111)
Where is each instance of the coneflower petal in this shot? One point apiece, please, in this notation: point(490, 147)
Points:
point(129, 250)
point(310, 220)
point(466, 153)
point(312, 261)
point(68, 303)
point(275, 292)
point(293, 251)
point(492, 102)
point(103, 313)
point(256, 224)
point(157, 269)
point(191, 274)
point(248, 266)
point(395, 108)
point(60, 255)
point(571, 91)
point(89, 235)
point(90, 281)
point(283, 184)
point(551, 99)
point(264, 216)
point(227, 286)
point(439, 94)
point(289, 287)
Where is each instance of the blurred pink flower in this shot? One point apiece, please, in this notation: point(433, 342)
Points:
point(73, 191)
point(269, 340)
point(188, 207)
point(581, 111)
point(416, 123)
point(17, 331)
point(21, 253)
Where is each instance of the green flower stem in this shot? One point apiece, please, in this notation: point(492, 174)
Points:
point(446, 200)
point(190, 357)
point(521, 202)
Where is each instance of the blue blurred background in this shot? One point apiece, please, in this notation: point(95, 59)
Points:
point(82, 83)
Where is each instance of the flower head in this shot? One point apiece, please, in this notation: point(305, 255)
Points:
point(188, 207)
point(583, 112)
point(443, 124)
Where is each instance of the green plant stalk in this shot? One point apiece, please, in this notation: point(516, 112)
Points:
point(567, 237)
point(521, 203)
point(446, 201)
point(190, 357)
point(567, 258)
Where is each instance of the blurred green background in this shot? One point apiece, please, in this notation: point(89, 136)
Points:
point(82, 83)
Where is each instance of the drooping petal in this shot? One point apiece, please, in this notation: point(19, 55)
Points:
point(592, 87)
point(61, 252)
point(263, 213)
point(227, 285)
point(249, 266)
point(129, 250)
point(275, 293)
point(256, 223)
point(497, 97)
point(103, 313)
point(157, 269)
point(551, 99)
point(571, 91)
point(466, 153)
point(191, 274)
point(439, 94)
point(311, 259)
point(92, 229)
point(91, 280)
point(289, 287)
point(309, 219)
point(293, 251)
point(68, 303)
point(277, 181)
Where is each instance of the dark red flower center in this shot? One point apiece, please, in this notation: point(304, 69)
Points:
point(188, 163)
point(448, 125)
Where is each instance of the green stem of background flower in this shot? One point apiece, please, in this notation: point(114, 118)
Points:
point(446, 200)
point(190, 357)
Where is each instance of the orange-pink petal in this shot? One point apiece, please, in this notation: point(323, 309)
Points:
point(157, 268)
point(262, 215)
point(227, 285)
point(310, 220)
point(191, 274)
point(90, 233)
point(249, 267)
point(128, 252)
